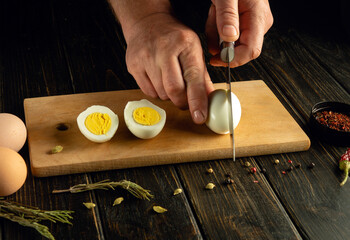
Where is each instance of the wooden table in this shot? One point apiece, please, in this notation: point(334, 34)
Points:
point(64, 47)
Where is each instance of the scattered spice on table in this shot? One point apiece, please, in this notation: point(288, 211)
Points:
point(290, 161)
point(56, 149)
point(298, 165)
point(311, 165)
point(334, 120)
point(210, 186)
point(247, 164)
point(228, 180)
point(256, 181)
point(89, 205)
point(118, 201)
point(177, 191)
point(263, 170)
point(253, 170)
point(290, 168)
point(228, 175)
point(210, 170)
point(276, 161)
point(283, 172)
point(344, 165)
point(159, 209)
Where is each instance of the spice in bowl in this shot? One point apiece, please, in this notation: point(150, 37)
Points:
point(330, 121)
point(334, 120)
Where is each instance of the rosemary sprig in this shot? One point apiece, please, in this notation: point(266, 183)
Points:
point(42, 229)
point(131, 187)
point(31, 216)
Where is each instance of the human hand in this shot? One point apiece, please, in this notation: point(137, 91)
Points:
point(242, 21)
point(166, 59)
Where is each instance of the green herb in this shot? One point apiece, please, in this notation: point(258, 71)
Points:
point(344, 165)
point(30, 216)
point(131, 187)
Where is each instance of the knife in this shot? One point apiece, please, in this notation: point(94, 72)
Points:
point(227, 54)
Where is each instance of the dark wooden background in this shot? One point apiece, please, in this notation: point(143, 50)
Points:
point(64, 47)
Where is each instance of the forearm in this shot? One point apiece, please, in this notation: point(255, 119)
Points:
point(131, 12)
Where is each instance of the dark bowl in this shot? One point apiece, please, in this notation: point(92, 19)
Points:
point(324, 132)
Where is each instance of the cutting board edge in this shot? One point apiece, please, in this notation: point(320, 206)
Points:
point(196, 156)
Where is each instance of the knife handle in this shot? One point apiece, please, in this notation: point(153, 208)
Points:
point(227, 52)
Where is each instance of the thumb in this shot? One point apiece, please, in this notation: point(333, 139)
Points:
point(227, 19)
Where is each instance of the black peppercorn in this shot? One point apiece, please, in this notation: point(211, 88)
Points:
point(298, 165)
point(311, 165)
point(290, 169)
point(228, 180)
point(263, 170)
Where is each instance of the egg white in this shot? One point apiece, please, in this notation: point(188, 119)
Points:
point(218, 113)
point(91, 136)
point(139, 130)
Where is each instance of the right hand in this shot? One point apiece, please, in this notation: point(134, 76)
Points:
point(166, 59)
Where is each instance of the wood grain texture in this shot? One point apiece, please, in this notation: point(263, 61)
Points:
point(312, 198)
point(265, 128)
point(65, 47)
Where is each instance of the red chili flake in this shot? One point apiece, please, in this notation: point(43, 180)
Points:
point(256, 181)
point(334, 120)
point(290, 161)
point(283, 172)
point(253, 170)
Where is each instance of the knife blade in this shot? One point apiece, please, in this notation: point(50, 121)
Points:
point(227, 55)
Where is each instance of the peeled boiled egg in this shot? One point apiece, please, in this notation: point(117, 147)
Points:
point(98, 123)
point(13, 171)
point(218, 114)
point(13, 132)
point(144, 119)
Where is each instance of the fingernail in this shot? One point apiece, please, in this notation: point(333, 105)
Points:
point(229, 31)
point(198, 117)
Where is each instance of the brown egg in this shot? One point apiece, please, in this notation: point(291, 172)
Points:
point(13, 132)
point(13, 171)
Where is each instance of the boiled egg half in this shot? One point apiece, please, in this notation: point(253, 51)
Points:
point(98, 123)
point(144, 119)
point(218, 114)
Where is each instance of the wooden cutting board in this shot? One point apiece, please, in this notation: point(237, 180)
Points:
point(265, 128)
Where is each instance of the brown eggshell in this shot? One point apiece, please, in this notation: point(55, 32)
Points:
point(13, 171)
point(13, 132)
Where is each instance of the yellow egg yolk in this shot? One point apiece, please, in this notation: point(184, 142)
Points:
point(146, 116)
point(98, 123)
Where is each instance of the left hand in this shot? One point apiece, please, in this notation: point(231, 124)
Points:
point(242, 21)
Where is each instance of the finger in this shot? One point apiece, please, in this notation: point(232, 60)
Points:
point(173, 82)
point(155, 75)
point(211, 31)
point(193, 73)
point(250, 42)
point(227, 19)
point(208, 83)
point(145, 84)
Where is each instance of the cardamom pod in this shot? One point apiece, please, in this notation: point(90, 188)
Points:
point(118, 201)
point(210, 186)
point(56, 149)
point(89, 205)
point(177, 191)
point(159, 209)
